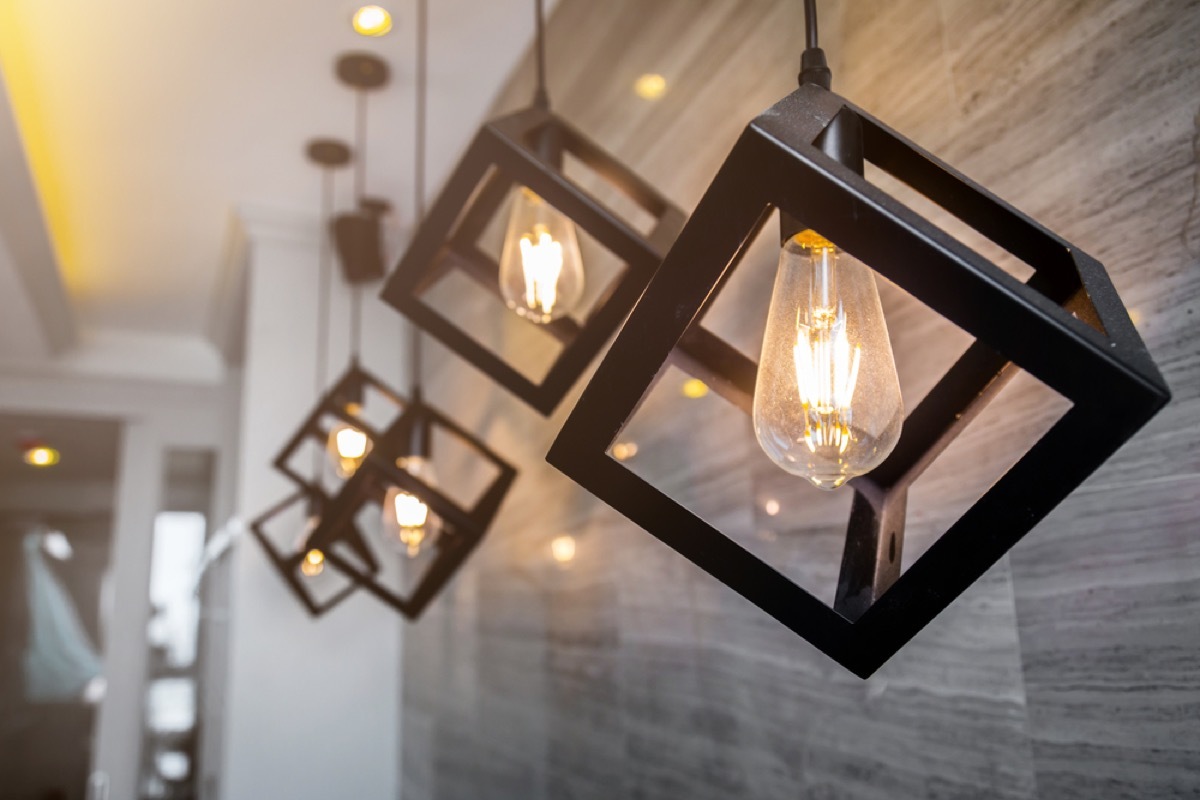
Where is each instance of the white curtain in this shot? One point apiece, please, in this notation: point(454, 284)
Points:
point(60, 660)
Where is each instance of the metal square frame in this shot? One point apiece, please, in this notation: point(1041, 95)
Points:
point(463, 528)
point(350, 387)
point(1066, 327)
point(526, 148)
point(288, 566)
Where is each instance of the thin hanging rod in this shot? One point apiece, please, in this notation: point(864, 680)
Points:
point(810, 24)
point(324, 288)
point(360, 143)
point(541, 97)
point(422, 91)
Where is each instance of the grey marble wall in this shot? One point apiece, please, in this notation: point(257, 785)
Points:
point(1072, 670)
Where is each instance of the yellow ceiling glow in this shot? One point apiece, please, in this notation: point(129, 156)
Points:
point(650, 86)
point(372, 21)
point(18, 74)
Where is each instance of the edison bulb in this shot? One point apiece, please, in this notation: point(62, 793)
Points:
point(348, 447)
point(827, 403)
point(541, 270)
point(313, 563)
point(407, 520)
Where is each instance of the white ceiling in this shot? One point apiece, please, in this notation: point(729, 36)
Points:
point(149, 124)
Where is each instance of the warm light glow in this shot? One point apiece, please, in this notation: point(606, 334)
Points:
point(348, 447)
point(19, 59)
point(827, 403)
point(694, 388)
point(562, 548)
point(541, 270)
point(41, 456)
point(407, 520)
point(771, 507)
point(410, 511)
point(542, 261)
point(650, 86)
point(624, 450)
point(313, 563)
point(372, 21)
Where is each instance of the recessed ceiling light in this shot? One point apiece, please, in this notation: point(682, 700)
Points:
point(650, 86)
point(41, 456)
point(372, 21)
point(771, 507)
point(694, 388)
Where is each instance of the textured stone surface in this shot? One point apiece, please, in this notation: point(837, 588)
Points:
point(1072, 669)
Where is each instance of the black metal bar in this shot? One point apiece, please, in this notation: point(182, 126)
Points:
point(871, 558)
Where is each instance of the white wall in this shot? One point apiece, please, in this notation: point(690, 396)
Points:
point(311, 706)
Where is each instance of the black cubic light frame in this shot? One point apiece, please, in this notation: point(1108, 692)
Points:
point(1067, 327)
point(462, 528)
point(338, 403)
point(526, 148)
point(288, 565)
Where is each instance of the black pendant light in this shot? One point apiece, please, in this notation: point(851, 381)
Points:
point(393, 485)
point(284, 531)
point(824, 395)
point(519, 158)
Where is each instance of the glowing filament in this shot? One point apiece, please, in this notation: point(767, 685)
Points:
point(347, 448)
point(411, 516)
point(826, 367)
point(313, 563)
point(351, 443)
point(542, 262)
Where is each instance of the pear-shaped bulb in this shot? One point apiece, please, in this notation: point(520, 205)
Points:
point(541, 270)
point(407, 521)
point(827, 403)
point(347, 448)
point(313, 563)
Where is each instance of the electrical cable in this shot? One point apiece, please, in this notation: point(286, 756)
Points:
point(324, 289)
point(541, 97)
point(422, 90)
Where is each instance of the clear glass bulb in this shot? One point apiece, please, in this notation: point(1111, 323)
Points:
point(347, 447)
point(827, 403)
point(541, 270)
point(407, 520)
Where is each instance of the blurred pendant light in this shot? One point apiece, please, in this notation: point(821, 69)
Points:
point(517, 162)
point(358, 236)
point(418, 519)
point(284, 531)
point(824, 394)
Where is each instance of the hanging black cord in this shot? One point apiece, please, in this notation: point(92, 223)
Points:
point(360, 168)
point(324, 288)
point(422, 90)
point(810, 24)
point(541, 98)
point(813, 67)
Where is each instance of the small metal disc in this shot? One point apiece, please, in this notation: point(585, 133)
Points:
point(362, 70)
point(328, 152)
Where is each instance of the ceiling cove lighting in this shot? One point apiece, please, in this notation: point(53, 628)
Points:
point(539, 275)
point(284, 530)
point(823, 391)
point(420, 523)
